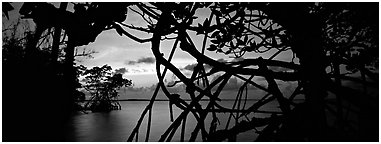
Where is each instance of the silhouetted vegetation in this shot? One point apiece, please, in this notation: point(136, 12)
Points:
point(321, 35)
point(329, 43)
point(39, 78)
point(103, 86)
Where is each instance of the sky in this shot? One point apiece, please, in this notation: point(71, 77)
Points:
point(138, 60)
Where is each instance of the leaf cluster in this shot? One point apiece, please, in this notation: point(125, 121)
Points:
point(101, 81)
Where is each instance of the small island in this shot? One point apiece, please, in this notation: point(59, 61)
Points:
point(102, 84)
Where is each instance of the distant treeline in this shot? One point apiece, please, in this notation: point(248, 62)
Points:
point(168, 100)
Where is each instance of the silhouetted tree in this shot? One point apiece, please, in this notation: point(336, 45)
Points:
point(320, 35)
point(103, 86)
point(42, 82)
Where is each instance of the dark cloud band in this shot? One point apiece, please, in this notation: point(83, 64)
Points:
point(144, 60)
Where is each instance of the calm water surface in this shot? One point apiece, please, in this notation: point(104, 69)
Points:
point(116, 126)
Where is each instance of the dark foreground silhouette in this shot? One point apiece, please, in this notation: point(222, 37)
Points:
point(333, 42)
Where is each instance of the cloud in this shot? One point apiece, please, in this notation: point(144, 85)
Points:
point(261, 79)
point(128, 62)
point(138, 71)
point(278, 69)
point(221, 60)
point(135, 70)
point(143, 60)
point(146, 60)
point(191, 67)
point(238, 59)
point(121, 71)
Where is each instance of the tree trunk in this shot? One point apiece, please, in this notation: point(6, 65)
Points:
point(56, 38)
point(307, 44)
point(69, 75)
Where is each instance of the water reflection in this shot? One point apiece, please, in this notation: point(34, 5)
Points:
point(116, 126)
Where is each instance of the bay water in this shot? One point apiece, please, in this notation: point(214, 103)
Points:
point(117, 125)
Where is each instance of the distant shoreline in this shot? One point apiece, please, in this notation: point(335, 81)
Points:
point(168, 100)
point(184, 100)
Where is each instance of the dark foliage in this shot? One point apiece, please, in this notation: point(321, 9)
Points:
point(103, 87)
point(321, 35)
point(324, 37)
point(39, 78)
